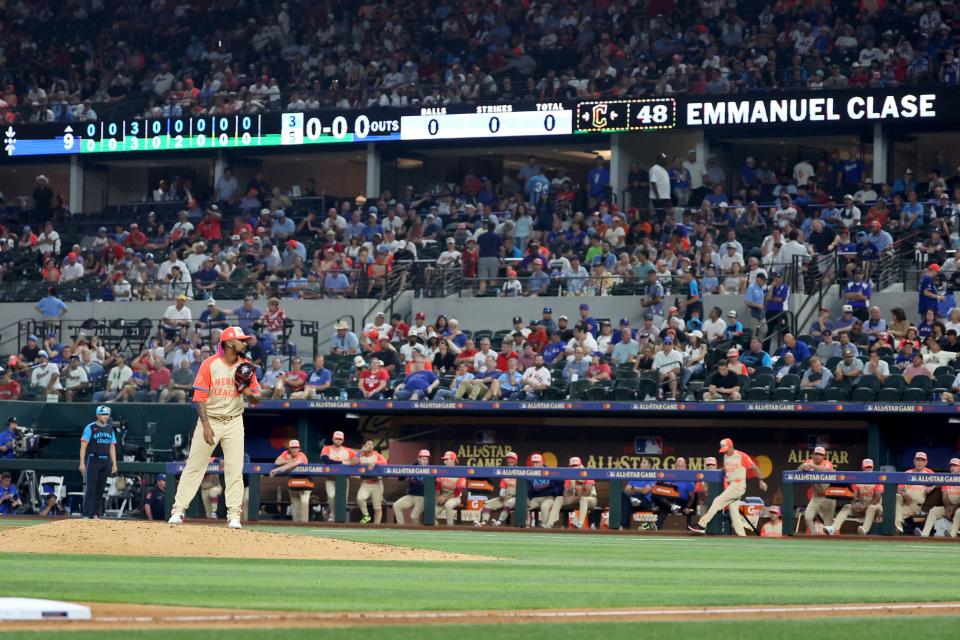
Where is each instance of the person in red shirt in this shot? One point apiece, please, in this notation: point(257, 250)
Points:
point(157, 380)
point(373, 380)
point(209, 227)
point(136, 239)
point(9, 388)
point(466, 353)
point(398, 328)
point(296, 378)
point(506, 352)
point(599, 370)
point(469, 259)
point(538, 336)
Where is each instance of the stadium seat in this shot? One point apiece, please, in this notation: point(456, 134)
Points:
point(889, 394)
point(832, 363)
point(624, 394)
point(758, 394)
point(945, 370)
point(790, 380)
point(921, 382)
point(578, 389)
point(806, 339)
point(784, 394)
point(835, 394)
point(811, 394)
point(945, 380)
point(553, 393)
point(914, 394)
point(597, 393)
point(765, 380)
point(895, 381)
point(864, 394)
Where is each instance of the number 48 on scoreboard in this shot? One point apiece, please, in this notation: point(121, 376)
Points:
point(626, 115)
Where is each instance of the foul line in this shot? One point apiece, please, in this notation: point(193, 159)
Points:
point(602, 613)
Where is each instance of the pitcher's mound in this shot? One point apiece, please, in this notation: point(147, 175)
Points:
point(139, 538)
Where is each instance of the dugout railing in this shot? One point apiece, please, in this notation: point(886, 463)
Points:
point(888, 479)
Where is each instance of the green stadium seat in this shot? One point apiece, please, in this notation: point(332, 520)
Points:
point(945, 370)
point(578, 389)
point(597, 393)
point(790, 380)
point(624, 394)
point(895, 381)
point(811, 394)
point(921, 382)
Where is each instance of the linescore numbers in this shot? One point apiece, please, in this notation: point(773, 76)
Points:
point(166, 133)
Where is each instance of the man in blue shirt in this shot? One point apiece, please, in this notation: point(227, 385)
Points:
point(9, 496)
point(851, 171)
point(857, 293)
point(598, 178)
point(755, 357)
point(755, 299)
point(589, 320)
point(344, 341)
point(878, 237)
point(489, 244)
point(799, 349)
point(683, 502)
point(555, 348)
point(930, 295)
point(538, 281)
point(247, 315)
point(419, 384)
point(282, 227)
point(637, 496)
point(154, 500)
point(318, 381)
point(51, 306)
point(6, 440)
point(775, 305)
point(335, 282)
point(538, 187)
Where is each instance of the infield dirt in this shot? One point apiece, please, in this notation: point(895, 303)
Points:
point(138, 538)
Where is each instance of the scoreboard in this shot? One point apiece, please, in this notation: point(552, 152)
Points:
point(811, 110)
point(288, 129)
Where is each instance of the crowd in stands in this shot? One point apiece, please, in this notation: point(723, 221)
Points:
point(164, 58)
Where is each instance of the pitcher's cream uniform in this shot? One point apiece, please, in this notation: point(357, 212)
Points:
point(866, 503)
point(210, 491)
point(949, 510)
point(215, 385)
point(819, 504)
point(336, 454)
point(448, 497)
point(735, 466)
point(910, 499)
point(582, 493)
point(371, 489)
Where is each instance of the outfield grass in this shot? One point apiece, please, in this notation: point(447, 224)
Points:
point(535, 571)
point(822, 629)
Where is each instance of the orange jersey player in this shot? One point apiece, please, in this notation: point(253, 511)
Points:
point(218, 395)
point(335, 453)
point(371, 488)
point(737, 467)
point(819, 504)
point(504, 501)
point(449, 491)
point(950, 509)
point(772, 528)
point(910, 497)
point(582, 493)
point(866, 503)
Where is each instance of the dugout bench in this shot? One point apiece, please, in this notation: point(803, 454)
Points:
point(712, 479)
point(888, 479)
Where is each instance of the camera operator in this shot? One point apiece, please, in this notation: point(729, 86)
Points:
point(52, 506)
point(9, 496)
point(7, 439)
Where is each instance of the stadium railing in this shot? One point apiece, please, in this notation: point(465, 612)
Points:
point(889, 479)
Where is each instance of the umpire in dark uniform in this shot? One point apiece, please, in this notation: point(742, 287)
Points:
point(98, 458)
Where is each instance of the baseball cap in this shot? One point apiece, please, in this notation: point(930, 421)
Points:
point(342, 325)
point(624, 322)
point(450, 455)
point(104, 410)
point(33, 337)
point(921, 455)
point(293, 444)
point(668, 340)
point(733, 353)
point(517, 319)
point(423, 453)
point(725, 445)
point(934, 267)
point(731, 314)
point(161, 476)
point(867, 462)
point(576, 462)
point(648, 316)
point(211, 302)
point(584, 307)
point(562, 318)
point(548, 309)
point(709, 460)
point(847, 308)
point(510, 456)
point(420, 314)
point(43, 354)
point(536, 458)
point(359, 363)
point(338, 434)
point(821, 450)
point(233, 333)
point(774, 509)
point(955, 461)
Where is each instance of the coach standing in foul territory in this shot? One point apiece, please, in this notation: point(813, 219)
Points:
point(738, 466)
point(98, 458)
point(222, 383)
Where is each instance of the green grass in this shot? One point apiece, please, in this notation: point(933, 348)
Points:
point(822, 629)
point(536, 570)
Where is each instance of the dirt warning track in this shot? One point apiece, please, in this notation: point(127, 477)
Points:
point(137, 616)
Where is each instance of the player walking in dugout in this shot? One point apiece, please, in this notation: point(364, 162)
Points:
point(222, 383)
point(98, 459)
point(737, 466)
point(819, 504)
point(371, 489)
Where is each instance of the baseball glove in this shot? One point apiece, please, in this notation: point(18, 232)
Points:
point(243, 376)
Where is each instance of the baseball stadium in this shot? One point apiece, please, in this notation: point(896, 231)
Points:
point(256, 381)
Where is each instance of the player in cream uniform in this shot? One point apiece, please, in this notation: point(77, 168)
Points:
point(866, 503)
point(505, 501)
point(219, 400)
point(582, 493)
point(819, 504)
point(335, 453)
point(300, 487)
point(210, 492)
point(448, 491)
point(371, 489)
point(737, 466)
point(950, 508)
point(910, 497)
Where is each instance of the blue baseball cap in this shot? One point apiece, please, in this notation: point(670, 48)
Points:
point(548, 309)
point(585, 307)
point(624, 322)
point(668, 340)
point(104, 410)
point(161, 476)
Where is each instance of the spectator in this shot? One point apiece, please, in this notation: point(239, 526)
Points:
point(45, 378)
point(418, 385)
point(247, 315)
point(74, 379)
point(668, 365)
point(849, 369)
point(915, 368)
point(786, 365)
point(373, 380)
point(816, 376)
point(317, 382)
point(9, 387)
point(535, 380)
point(576, 368)
point(877, 367)
point(724, 384)
point(50, 306)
